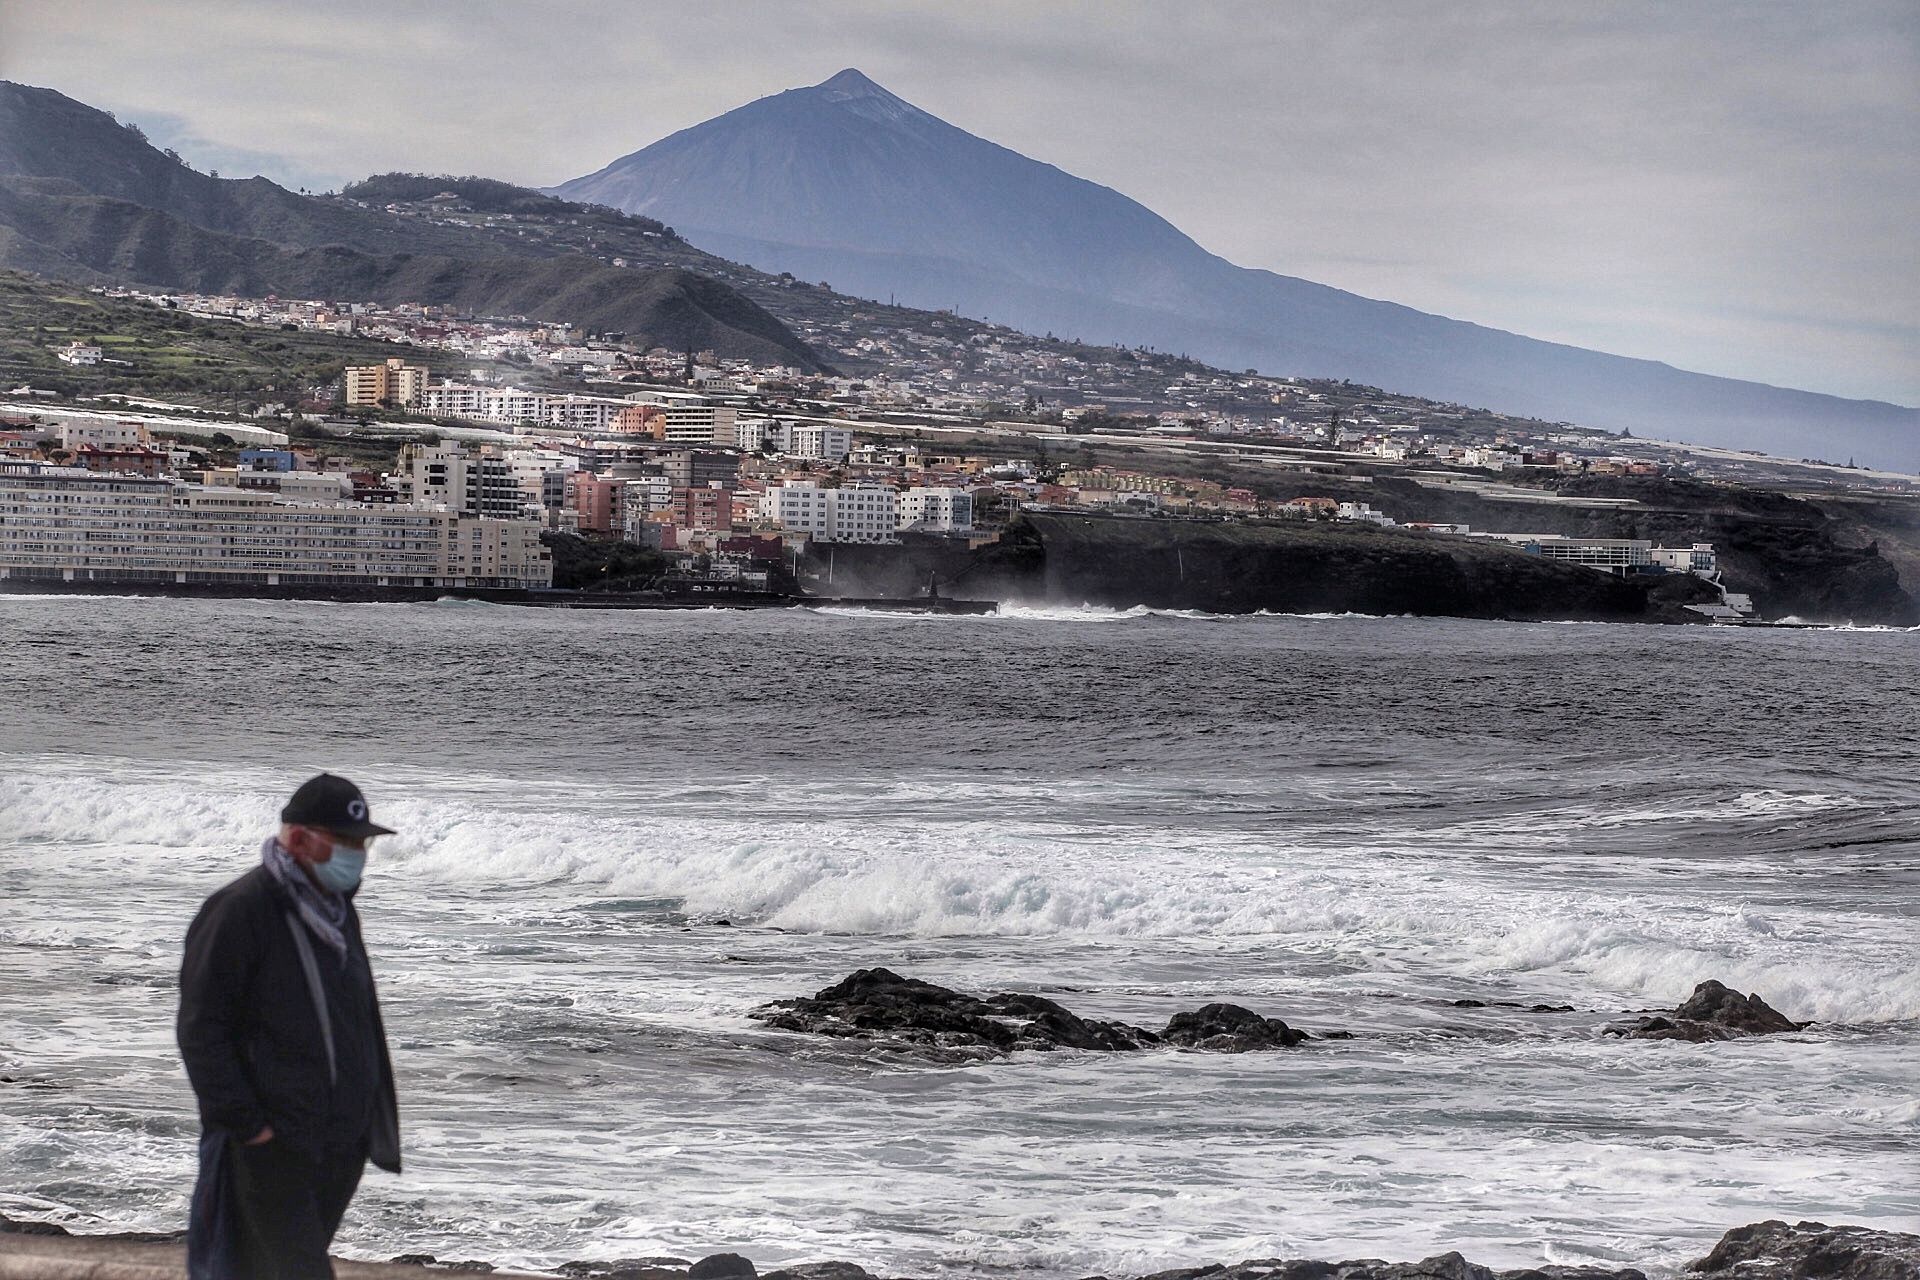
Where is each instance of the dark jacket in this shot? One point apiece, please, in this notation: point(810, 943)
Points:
point(249, 1030)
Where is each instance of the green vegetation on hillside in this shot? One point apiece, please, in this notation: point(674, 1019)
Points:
point(490, 195)
point(153, 351)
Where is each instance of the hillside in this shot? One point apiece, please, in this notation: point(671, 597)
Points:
point(847, 182)
point(153, 351)
point(87, 199)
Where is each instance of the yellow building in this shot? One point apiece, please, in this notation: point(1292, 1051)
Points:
point(395, 383)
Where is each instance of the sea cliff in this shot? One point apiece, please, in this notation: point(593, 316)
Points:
point(1279, 566)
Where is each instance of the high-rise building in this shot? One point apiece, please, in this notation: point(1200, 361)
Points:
point(394, 383)
point(475, 482)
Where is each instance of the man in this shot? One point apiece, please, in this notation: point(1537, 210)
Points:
point(281, 1035)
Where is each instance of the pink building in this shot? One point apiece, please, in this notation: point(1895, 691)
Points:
point(598, 503)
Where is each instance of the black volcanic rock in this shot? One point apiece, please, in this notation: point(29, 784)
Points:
point(1776, 1251)
point(1307, 566)
point(846, 182)
point(1445, 1266)
point(1713, 1012)
point(468, 1267)
point(1228, 1028)
point(625, 1269)
point(880, 1005)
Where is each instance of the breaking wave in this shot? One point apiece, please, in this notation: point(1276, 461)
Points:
point(1106, 883)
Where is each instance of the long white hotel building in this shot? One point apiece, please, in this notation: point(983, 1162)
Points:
point(65, 524)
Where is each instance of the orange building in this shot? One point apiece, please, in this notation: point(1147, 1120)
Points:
point(648, 420)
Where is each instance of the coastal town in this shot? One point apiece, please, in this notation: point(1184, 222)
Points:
point(398, 474)
point(945, 370)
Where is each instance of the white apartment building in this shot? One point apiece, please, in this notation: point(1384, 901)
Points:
point(474, 482)
point(1698, 559)
point(702, 424)
point(582, 415)
point(542, 476)
point(833, 515)
point(649, 493)
point(750, 435)
point(67, 524)
point(78, 353)
point(455, 399)
point(485, 404)
point(103, 433)
point(512, 404)
point(817, 440)
point(589, 415)
point(936, 509)
point(1365, 514)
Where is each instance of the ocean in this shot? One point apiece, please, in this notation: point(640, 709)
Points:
point(620, 832)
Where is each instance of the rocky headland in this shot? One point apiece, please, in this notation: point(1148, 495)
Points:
point(1278, 566)
point(1792, 557)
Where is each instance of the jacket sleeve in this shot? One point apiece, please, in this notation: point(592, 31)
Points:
point(222, 952)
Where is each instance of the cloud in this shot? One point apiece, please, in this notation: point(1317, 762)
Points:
point(1726, 185)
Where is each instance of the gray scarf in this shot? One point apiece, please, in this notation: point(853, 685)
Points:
point(322, 912)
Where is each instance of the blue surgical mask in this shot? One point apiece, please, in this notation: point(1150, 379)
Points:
point(341, 872)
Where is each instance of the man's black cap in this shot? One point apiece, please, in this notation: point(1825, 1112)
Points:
point(332, 803)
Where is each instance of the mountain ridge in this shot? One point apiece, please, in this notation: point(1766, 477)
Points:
point(849, 182)
point(84, 197)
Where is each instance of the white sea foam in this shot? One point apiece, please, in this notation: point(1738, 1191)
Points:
point(1027, 611)
point(1016, 878)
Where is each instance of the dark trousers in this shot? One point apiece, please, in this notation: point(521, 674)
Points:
point(289, 1204)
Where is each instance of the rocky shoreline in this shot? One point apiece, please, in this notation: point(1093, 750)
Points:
point(889, 1011)
point(910, 1014)
point(1771, 1250)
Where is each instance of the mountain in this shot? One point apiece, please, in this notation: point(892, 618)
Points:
point(846, 182)
point(84, 197)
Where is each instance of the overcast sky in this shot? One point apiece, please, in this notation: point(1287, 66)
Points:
point(1730, 187)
